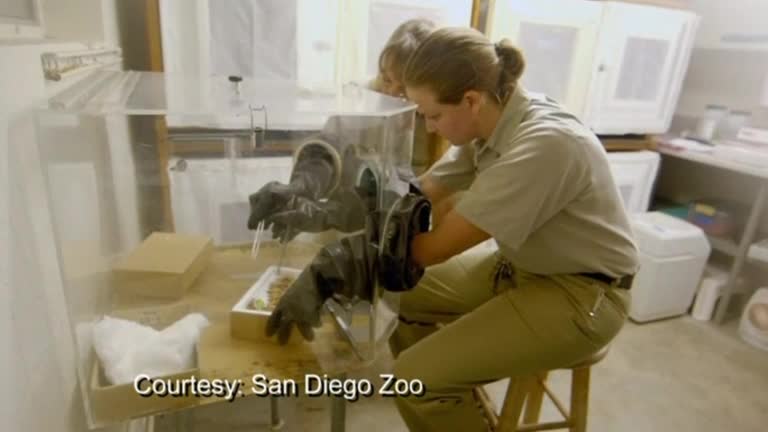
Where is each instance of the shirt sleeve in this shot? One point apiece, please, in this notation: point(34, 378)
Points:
point(456, 168)
point(525, 187)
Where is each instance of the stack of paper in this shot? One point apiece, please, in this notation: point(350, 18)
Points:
point(684, 144)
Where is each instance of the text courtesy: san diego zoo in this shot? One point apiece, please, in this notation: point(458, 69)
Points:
point(312, 385)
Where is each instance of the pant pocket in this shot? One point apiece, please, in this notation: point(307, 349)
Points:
point(600, 320)
point(600, 311)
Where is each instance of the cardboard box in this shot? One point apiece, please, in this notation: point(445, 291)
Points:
point(246, 322)
point(113, 403)
point(164, 265)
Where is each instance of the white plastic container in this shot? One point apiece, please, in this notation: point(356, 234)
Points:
point(708, 123)
point(635, 173)
point(753, 326)
point(731, 125)
point(672, 254)
point(710, 289)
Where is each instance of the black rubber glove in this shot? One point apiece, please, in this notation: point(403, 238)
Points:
point(344, 211)
point(312, 178)
point(270, 199)
point(408, 217)
point(344, 269)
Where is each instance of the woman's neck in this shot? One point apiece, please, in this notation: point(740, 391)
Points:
point(488, 118)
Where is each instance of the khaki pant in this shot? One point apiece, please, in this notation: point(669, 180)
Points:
point(530, 323)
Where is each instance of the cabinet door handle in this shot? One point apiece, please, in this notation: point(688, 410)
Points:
point(602, 67)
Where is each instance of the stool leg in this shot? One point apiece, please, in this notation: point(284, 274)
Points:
point(579, 399)
point(513, 403)
point(534, 400)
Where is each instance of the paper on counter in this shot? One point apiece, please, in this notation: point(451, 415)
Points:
point(681, 144)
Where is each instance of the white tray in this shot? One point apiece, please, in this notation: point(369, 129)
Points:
point(248, 323)
point(259, 290)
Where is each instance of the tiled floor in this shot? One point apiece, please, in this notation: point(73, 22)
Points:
point(673, 375)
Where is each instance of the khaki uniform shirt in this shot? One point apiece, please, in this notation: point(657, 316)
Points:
point(541, 186)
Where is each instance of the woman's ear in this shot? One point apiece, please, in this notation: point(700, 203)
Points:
point(474, 99)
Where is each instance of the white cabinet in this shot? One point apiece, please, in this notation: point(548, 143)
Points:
point(618, 66)
point(558, 39)
point(642, 56)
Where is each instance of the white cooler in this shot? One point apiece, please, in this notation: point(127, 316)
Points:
point(673, 253)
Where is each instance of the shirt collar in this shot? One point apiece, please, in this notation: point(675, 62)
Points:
point(511, 117)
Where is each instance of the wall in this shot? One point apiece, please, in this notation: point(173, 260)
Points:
point(732, 24)
point(730, 57)
point(728, 77)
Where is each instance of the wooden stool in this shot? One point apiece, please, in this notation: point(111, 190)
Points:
point(530, 390)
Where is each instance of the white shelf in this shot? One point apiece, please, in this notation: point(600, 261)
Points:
point(724, 245)
point(759, 251)
point(709, 159)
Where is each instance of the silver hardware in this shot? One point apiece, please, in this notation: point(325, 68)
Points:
point(598, 301)
point(59, 65)
point(261, 130)
point(180, 166)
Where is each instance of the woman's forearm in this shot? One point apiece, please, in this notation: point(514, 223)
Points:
point(442, 208)
point(451, 236)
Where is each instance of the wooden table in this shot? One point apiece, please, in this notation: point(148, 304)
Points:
point(230, 273)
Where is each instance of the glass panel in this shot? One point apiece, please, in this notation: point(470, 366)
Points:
point(383, 19)
point(146, 181)
point(316, 28)
point(548, 51)
point(642, 68)
point(216, 102)
point(386, 15)
point(232, 41)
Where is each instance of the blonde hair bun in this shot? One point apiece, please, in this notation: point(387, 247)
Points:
point(512, 58)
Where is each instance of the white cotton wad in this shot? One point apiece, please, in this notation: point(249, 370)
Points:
point(127, 349)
